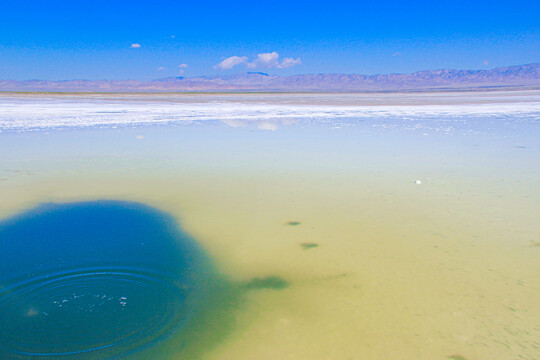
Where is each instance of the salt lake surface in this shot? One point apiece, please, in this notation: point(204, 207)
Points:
point(330, 226)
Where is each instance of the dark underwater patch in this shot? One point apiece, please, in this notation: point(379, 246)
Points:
point(269, 282)
point(456, 357)
point(94, 280)
point(293, 223)
point(308, 245)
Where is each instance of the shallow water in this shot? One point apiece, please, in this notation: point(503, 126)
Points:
point(403, 233)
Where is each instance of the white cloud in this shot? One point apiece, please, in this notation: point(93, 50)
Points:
point(231, 62)
point(289, 62)
point(181, 68)
point(161, 68)
point(271, 60)
point(135, 46)
point(485, 62)
point(267, 60)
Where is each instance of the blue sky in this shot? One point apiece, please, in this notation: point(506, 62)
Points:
point(147, 40)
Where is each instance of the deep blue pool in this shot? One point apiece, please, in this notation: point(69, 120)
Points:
point(94, 280)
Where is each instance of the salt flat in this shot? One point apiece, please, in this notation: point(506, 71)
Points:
point(33, 111)
point(423, 208)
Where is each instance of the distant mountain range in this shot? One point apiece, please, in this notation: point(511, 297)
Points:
point(511, 76)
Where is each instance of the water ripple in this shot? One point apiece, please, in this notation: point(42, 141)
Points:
point(87, 310)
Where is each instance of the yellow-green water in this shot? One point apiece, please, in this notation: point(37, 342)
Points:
point(428, 246)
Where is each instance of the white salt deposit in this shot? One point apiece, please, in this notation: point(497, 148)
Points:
point(20, 113)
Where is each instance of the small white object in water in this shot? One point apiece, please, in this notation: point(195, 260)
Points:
point(418, 182)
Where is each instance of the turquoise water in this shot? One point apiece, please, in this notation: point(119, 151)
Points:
point(98, 279)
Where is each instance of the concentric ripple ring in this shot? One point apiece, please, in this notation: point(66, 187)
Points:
point(99, 299)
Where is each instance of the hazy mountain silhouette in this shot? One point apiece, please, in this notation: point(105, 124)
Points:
point(511, 76)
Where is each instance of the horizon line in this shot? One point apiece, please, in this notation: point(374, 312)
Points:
point(180, 77)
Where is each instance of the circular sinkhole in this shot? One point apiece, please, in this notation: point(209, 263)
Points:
point(94, 280)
